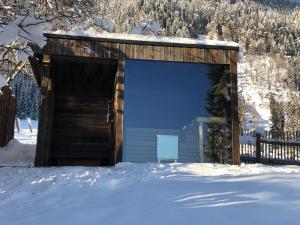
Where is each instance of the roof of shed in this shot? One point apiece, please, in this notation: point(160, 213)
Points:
point(143, 39)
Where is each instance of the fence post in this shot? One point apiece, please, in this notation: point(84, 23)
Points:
point(258, 147)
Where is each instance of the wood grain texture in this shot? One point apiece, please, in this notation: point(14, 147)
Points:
point(234, 108)
point(110, 50)
point(7, 115)
point(44, 139)
point(119, 111)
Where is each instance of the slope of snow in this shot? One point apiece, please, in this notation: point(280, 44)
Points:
point(146, 38)
point(151, 194)
point(21, 150)
point(259, 77)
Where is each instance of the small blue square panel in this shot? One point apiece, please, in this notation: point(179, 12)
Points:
point(167, 147)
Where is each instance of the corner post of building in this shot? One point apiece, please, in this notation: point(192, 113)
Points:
point(234, 108)
point(45, 121)
point(119, 111)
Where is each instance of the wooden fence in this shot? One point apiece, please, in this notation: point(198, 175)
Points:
point(272, 148)
point(7, 115)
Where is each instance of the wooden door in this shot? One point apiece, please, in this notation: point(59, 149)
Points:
point(83, 131)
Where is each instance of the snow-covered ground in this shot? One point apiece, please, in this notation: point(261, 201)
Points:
point(21, 150)
point(150, 194)
point(145, 194)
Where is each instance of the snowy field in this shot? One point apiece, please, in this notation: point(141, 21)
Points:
point(145, 194)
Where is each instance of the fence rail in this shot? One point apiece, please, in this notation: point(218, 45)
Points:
point(7, 115)
point(271, 148)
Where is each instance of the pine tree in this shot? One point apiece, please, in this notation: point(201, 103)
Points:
point(217, 103)
point(277, 117)
point(27, 96)
point(216, 96)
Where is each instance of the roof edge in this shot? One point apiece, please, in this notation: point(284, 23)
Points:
point(197, 43)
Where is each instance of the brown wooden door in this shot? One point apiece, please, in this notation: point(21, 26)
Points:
point(83, 117)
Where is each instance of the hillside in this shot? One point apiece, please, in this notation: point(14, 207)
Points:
point(267, 30)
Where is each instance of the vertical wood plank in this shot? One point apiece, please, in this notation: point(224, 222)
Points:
point(152, 52)
point(122, 52)
point(187, 54)
point(44, 139)
point(167, 53)
point(99, 50)
point(172, 54)
point(147, 53)
point(7, 115)
point(194, 55)
point(234, 108)
point(158, 53)
point(115, 54)
point(200, 56)
point(207, 55)
point(179, 54)
point(128, 50)
point(213, 56)
point(119, 111)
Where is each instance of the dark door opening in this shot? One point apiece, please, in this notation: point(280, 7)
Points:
point(83, 127)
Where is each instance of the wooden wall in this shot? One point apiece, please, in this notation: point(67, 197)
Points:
point(7, 115)
point(111, 50)
point(120, 51)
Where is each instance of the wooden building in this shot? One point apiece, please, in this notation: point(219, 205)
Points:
point(122, 97)
point(7, 115)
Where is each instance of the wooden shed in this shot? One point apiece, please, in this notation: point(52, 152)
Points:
point(122, 97)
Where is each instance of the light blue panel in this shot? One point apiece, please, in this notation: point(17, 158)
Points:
point(167, 147)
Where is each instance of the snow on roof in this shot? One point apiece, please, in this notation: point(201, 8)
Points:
point(91, 34)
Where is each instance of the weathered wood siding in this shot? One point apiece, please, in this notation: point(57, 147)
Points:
point(7, 115)
point(44, 139)
point(234, 108)
point(111, 50)
point(106, 50)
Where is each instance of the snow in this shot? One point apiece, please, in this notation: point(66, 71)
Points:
point(145, 194)
point(258, 79)
point(21, 150)
point(147, 27)
point(103, 24)
point(151, 194)
point(146, 38)
point(25, 28)
point(2, 81)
